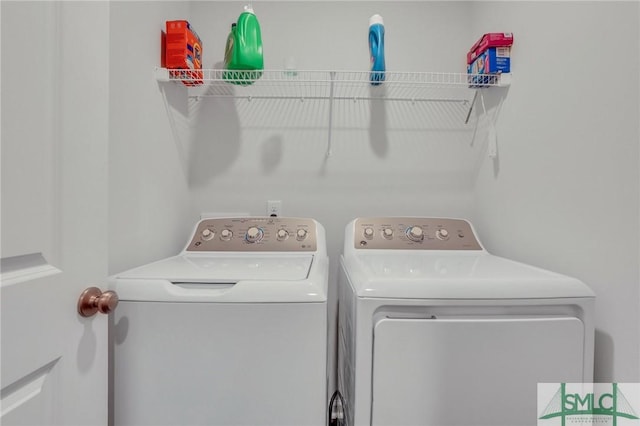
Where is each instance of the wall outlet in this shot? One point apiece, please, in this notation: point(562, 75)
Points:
point(274, 208)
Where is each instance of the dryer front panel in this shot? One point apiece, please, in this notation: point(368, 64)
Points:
point(470, 370)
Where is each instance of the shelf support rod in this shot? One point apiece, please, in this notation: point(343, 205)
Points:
point(492, 138)
point(491, 119)
point(475, 128)
point(332, 75)
point(473, 102)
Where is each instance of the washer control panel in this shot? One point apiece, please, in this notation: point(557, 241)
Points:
point(255, 234)
point(412, 233)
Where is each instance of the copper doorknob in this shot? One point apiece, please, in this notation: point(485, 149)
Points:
point(93, 300)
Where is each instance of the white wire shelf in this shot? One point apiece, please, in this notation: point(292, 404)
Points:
point(450, 96)
point(333, 85)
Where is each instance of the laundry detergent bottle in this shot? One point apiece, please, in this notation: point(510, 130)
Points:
point(244, 50)
point(376, 49)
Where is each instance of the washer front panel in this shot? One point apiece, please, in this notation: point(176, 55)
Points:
point(220, 364)
point(255, 234)
point(413, 233)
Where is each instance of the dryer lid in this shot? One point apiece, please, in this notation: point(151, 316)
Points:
point(224, 268)
point(447, 275)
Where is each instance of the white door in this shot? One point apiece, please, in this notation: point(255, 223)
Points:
point(54, 155)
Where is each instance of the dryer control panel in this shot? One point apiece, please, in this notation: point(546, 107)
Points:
point(254, 234)
point(414, 233)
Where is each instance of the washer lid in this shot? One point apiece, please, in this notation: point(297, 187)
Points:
point(227, 278)
point(224, 268)
point(459, 275)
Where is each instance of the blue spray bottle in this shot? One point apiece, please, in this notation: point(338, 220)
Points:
point(376, 49)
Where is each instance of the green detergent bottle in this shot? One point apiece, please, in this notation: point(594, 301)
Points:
point(243, 52)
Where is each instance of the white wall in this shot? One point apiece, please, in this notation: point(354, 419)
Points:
point(243, 154)
point(563, 193)
point(150, 206)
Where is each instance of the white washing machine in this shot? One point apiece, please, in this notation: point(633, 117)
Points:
point(433, 330)
point(232, 331)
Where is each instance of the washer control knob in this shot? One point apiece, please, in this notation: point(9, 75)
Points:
point(368, 233)
point(254, 234)
point(301, 234)
point(207, 234)
point(415, 233)
point(282, 234)
point(442, 234)
point(225, 235)
point(387, 233)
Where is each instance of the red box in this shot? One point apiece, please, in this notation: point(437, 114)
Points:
point(486, 41)
point(183, 52)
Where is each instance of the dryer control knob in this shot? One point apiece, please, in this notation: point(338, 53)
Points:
point(282, 234)
point(415, 233)
point(225, 235)
point(301, 234)
point(387, 233)
point(254, 234)
point(368, 233)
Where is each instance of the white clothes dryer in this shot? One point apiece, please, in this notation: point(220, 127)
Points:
point(434, 330)
point(232, 331)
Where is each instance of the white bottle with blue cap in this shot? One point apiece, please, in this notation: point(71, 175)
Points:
point(376, 49)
